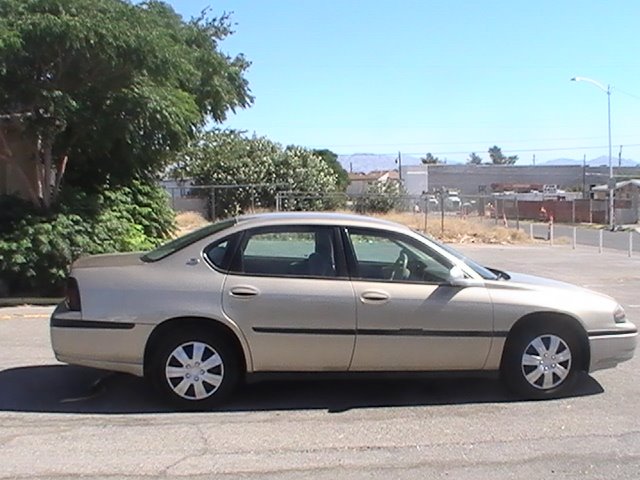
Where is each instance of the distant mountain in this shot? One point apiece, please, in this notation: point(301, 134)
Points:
point(602, 161)
point(562, 161)
point(368, 162)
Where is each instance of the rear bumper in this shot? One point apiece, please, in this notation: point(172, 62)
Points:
point(609, 348)
point(106, 345)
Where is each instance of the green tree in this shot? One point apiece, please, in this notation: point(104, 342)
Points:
point(474, 159)
point(101, 91)
point(498, 158)
point(380, 197)
point(331, 159)
point(429, 159)
point(227, 157)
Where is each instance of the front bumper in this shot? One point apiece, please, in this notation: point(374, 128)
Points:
point(611, 347)
point(106, 345)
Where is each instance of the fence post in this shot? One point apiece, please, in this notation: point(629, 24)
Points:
point(517, 215)
point(212, 204)
point(575, 234)
point(426, 214)
point(600, 241)
point(442, 190)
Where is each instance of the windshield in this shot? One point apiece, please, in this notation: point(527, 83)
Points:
point(179, 243)
point(479, 269)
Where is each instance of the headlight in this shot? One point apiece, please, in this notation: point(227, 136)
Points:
point(618, 315)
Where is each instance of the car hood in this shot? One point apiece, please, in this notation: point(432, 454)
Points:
point(532, 282)
point(109, 260)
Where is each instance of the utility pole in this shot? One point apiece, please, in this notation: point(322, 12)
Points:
point(534, 159)
point(620, 157)
point(399, 162)
point(584, 176)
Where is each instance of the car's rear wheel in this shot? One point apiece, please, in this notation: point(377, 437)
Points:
point(542, 360)
point(195, 370)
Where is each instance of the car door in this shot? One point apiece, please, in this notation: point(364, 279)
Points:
point(409, 317)
point(288, 289)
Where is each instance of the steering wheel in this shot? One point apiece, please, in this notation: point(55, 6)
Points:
point(400, 270)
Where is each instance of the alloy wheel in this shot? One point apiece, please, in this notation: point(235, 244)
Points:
point(194, 370)
point(546, 362)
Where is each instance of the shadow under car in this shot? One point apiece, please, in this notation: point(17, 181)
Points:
point(81, 390)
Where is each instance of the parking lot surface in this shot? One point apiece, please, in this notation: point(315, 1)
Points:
point(62, 422)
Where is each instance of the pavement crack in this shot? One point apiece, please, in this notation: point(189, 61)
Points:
point(203, 450)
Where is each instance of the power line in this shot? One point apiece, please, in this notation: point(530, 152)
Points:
point(522, 150)
point(428, 144)
point(637, 97)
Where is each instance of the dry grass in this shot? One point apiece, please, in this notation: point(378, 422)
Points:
point(459, 230)
point(189, 221)
point(456, 229)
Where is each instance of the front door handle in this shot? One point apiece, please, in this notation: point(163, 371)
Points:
point(244, 291)
point(374, 296)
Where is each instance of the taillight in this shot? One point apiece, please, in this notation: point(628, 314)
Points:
point(72, 294)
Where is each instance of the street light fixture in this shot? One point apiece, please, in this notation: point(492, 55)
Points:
point(612, 185)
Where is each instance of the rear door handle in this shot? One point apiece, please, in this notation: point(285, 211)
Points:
point(243, 291)
point(374, 296)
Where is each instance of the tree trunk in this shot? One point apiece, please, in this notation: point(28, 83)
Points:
point(7, 156)
point(61, 167)
point(47, 166)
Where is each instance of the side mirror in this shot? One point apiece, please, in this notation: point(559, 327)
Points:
point(457, 278)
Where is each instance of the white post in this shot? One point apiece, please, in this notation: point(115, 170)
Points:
point(531, 231)
point(575, 234)
point(551, 233)
point(600, 243)
point(631, 243)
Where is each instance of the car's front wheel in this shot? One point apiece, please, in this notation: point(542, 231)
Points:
point(195, 370)
point(542, 361)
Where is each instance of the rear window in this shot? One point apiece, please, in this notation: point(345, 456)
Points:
point(184, 241)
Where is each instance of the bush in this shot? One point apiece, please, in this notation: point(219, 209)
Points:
point(37, 249)
point(380, 197)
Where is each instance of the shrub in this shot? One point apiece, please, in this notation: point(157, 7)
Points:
point(380, 197)
point(37, 249)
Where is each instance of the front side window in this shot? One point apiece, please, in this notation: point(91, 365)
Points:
point(384, 256)
point(291, 251)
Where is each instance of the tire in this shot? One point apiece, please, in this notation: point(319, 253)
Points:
point(542, 360)
point(194, 369)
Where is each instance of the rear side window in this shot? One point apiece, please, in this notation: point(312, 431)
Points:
point(181, 242)
point(296, 251)
point(220, 252)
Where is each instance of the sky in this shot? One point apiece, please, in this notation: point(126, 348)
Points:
point(448, 77)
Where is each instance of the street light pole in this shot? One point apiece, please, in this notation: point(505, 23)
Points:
point(612, 185)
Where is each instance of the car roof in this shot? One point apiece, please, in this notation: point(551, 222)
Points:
point(317, 218)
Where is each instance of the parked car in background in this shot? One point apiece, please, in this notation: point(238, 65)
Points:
point(317, 292)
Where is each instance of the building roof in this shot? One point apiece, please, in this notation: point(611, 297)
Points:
point(375, 175)
point(619, 185)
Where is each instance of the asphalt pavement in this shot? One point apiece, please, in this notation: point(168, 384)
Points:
point(69, 422)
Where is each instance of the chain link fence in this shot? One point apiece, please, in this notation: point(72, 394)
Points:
point(215, 201)
point(548, 220)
